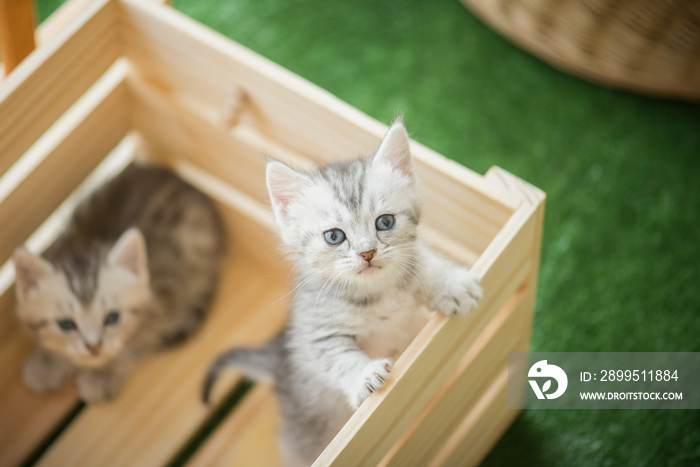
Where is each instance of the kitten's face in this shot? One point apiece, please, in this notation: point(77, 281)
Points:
point(353, 222)
point(87, 315)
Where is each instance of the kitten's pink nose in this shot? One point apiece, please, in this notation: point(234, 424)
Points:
point(368, 255)
point(94, 349)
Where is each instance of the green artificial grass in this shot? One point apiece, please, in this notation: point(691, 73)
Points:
point(620, 258)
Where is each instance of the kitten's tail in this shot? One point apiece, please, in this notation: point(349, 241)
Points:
point(256, 363)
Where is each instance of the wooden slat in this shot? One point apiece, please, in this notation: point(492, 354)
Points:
point(176, 134)
point(52, 78)
point(204, 69)
point(468, 445)
point(247, 436)
point(66, 13)
point(507, 332)
point(160, 406)
point(62, 158)
point(480, 430)
point(473, 437)
point(179, 132)
point(16, 31)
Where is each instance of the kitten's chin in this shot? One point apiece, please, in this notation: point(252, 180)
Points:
point(92, 361)
point(369, 270)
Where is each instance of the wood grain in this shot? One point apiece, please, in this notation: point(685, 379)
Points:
point(16, 31)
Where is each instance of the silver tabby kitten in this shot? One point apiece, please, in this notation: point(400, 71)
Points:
point(365, 284)
point(135, 271)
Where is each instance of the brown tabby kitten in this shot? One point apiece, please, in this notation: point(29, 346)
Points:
point(135, 271)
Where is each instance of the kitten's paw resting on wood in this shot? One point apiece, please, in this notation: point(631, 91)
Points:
point(45, 372)
point(98, 385)
point(458, 293)
point(374, 376)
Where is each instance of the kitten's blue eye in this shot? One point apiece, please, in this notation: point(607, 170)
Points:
point(112, 318)
point(385, 222)
point(66, 324)
point(334, 236)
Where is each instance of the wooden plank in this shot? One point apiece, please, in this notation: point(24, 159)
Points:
point(66, 13)
point(16, 31)
point(247, 436)
point(480, 430)
point(180, 134)
point(473, 438)
point(26, 418)
point(31, 189)
point(430, 358)
point(160, 406)
point(175, 135)
point(61, 18)
point(474, 374)
point(177, 131)
point(203, 68)
point(52, 78)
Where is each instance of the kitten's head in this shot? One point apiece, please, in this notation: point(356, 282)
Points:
point(354, 221)
point(87, 303)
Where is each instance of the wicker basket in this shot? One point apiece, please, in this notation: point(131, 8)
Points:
point(650, 46)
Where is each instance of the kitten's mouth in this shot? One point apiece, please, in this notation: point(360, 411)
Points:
point(368, 269)
point(91, 361)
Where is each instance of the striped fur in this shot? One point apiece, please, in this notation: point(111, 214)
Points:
point(350, 317)
point(146, 246)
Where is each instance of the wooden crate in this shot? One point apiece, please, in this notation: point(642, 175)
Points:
point(127, 77)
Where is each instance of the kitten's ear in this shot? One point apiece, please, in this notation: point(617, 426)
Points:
point(284, 184)
point(395, 149)
point(130, 253)
point(29, 270)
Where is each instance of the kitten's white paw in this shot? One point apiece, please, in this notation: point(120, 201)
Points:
point(44, 373)
point(374, 376)
point(458, 294)
point(98, 385)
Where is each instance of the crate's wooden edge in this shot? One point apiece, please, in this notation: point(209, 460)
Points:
point(150, 104)
point(58, 37)
point(507, 332)
point(461, 389)
point(16, 32)
point(468, 446)
point(515, 185)
point(23, 178)
point(316, 95)
point(48, 82)
point(58, 21)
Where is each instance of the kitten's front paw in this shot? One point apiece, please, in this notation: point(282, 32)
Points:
point(44, 372)
point(458, 294)
point(98, 385)
point(374, 376)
